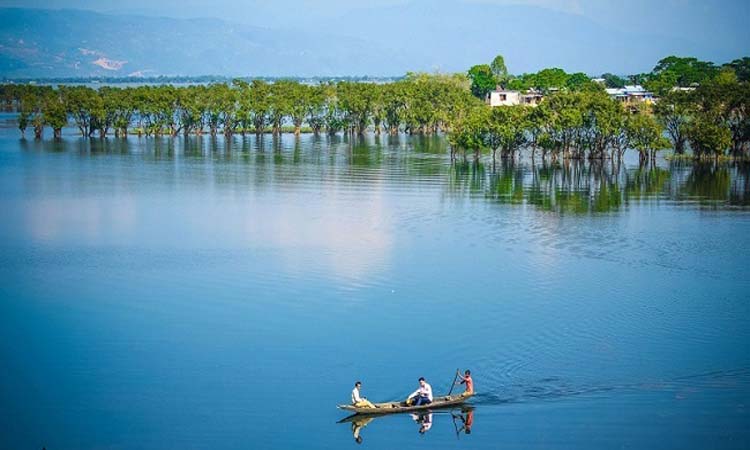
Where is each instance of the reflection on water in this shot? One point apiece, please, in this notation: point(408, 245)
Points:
point(577, 187)
point(462, 420)
point(146, 283)
point(582, 187)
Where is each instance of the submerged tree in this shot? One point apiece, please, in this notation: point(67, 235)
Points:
point(506, 130)
point(645, 135)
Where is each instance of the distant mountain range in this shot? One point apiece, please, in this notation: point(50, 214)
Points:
point(62, 43)
point(380, 41)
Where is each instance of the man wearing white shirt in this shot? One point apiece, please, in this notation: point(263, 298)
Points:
point(422, 396)
point(359, 401)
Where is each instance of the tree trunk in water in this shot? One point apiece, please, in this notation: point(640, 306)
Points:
point(38, 132)
point(57, 133)
point(679, 147)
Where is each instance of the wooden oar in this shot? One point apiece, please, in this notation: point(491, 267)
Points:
point(454, 383)
point(455, 427)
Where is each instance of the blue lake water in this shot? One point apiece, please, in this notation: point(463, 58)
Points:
point(213, 293)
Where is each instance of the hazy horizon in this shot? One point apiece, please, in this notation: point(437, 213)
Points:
point(338, 37)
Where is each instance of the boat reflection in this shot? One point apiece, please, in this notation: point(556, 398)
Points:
point(358, 425)
point(467, 420)
point(424, 420)
point(462, 419)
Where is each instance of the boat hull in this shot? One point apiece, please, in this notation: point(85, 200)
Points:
point(400, 407)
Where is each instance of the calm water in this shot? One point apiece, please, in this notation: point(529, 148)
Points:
point(204, 293)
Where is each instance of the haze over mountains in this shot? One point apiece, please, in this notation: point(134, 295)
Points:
point(381, 40)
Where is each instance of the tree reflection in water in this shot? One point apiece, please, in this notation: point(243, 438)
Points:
point(583, 187)
point(564, 186)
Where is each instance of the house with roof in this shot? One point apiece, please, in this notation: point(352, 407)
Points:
point(503, 97)
point(684, 88)
point(630, 94)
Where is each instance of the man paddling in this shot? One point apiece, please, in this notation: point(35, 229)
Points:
point(466, 379)
point(422, 396)
point(359, 401)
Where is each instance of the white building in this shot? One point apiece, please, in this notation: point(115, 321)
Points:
point(502, 97)
point(631, 94)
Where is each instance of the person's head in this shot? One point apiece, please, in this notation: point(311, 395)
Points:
point(467, 373)
point(358, 439)
point(421, 381)
point(358, 384)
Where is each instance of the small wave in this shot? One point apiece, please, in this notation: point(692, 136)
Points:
point(558, 388)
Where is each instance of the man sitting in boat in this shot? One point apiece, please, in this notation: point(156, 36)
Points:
point(422, 396)
point(357, 400)
point(466, 379)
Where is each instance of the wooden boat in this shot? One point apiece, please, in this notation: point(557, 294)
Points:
point(399, 407)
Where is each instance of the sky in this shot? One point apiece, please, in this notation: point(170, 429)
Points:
point(684, 16)
point(718, 28)
point(679, 18)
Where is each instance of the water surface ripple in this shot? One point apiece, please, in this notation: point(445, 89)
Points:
point(226, 293)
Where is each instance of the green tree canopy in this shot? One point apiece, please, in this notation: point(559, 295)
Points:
point(577, 81)
point(676, 71)
point(645, 134)
point(482, 80)
point(741, 68)
point(613, 81)
point(498, 67)
point(548, 79)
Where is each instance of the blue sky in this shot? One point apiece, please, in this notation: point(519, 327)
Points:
point(693, 16)
point(642, 30)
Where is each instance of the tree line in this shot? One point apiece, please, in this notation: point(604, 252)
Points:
point(705, 108)
point(575, 120)
point(669, 72)
point(713, 121)
point(418, 103)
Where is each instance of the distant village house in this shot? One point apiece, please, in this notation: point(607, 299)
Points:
point(502, 97)
point(631, 94)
